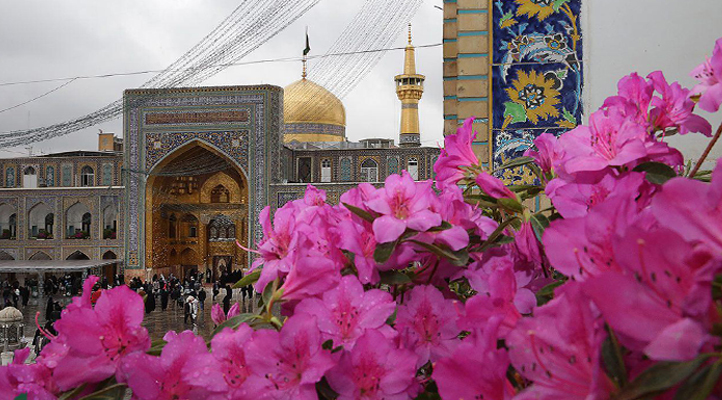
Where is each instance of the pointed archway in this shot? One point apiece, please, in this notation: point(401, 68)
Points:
point(178, 206)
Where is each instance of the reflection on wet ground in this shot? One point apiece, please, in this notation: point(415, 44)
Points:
point(158, 322)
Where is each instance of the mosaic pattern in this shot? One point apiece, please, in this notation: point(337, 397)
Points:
point(160, 144)
point(262, 154)
point(393, 165)
point(10, 177)
point(345, 174)
point(537, 72)
point(327, 129)
point(59, 200)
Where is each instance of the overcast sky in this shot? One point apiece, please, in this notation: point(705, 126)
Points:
point(42, 39)
point(47, 39)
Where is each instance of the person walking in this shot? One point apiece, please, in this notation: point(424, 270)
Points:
point(227, 299)
point(202, 297)
point(163, 298)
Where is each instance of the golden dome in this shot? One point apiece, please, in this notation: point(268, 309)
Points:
point(307, 102)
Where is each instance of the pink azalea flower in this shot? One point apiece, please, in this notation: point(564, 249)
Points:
point(278, 246)
point(493, 186)
point(709, 74)
point(403, 204)
point(558, 349)
point(229, 351)
point(547, 153)
point(374, 370)
point(359, 239)
point(346, 312)
point(218, 316)
point(499, 296)
point(288, 364)
point(527, 246)
point(456, 154)
point(574, 199)
point(633, 98)
point(610, 140)
point(583, 247)
point(427, 325)
point(674, 109)
point(18, 378)
point(184, 370)
point(310, 276)
point(476, 370)
point(692, 209)
point(94, 341)
point(661, 303)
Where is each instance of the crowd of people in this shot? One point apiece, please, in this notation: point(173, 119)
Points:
point(188, 294)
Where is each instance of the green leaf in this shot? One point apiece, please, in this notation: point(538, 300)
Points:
point(516, 162)
point(613, 361)
point(234, 322)
point(660, 377)
point(558, 4)
point(23, 396)
point(496, 234)
point(444, 226)
point(511, 204)
point(657, 173)
point(115, 392)
point(384, 251)
point(249, 279)
point(327, 345)
point(717, 287)
point(457, 258)
point(268, 292)
point(394, 278)
point(539, 222)
point(363, 214)
point(324, 390)
point(569, 117)
point(156, 347)
point(545, 294)
point(516, 111)
point(700, 385)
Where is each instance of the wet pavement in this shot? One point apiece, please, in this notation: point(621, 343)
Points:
point(158, 322)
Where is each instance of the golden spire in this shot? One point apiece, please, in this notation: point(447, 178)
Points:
point(410, 63)
point(304, 73)
point(409, 89)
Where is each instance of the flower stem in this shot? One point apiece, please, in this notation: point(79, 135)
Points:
point(706, 152)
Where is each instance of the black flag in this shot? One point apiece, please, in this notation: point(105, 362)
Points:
point(308, 45)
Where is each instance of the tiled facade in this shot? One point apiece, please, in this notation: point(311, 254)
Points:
point(45, 219)
point(516, 65)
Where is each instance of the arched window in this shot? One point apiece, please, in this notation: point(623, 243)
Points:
point(221, 228)
point(30, 178)
point(67, 172)
point(87, 176)
point(78, 255)
point(10, 177)
point(40, 222)
point(172, 223)
point(345, 167)
point(110, 222)
point(87, 220)
point(325, 170)
point(78, 221)
point(220, 194)
point(369, 171)
point(393, 165)
point(107, 174)
point(413, 168)
point(8, 222)
point(50, 177)
point(190, 226)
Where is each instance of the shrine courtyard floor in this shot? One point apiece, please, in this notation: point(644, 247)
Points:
point(158, 322)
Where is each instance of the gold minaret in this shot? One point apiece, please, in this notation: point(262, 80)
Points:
point(410, 88)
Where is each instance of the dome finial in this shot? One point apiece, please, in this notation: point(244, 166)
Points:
point(409, 33)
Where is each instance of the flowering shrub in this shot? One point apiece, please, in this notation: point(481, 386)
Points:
point(415, 292)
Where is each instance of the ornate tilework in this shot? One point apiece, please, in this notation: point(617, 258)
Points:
point(345, 175)
point(260, 137)
point(393, 165)
point(537, 72)
point(10, 177)
point(50, 176)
